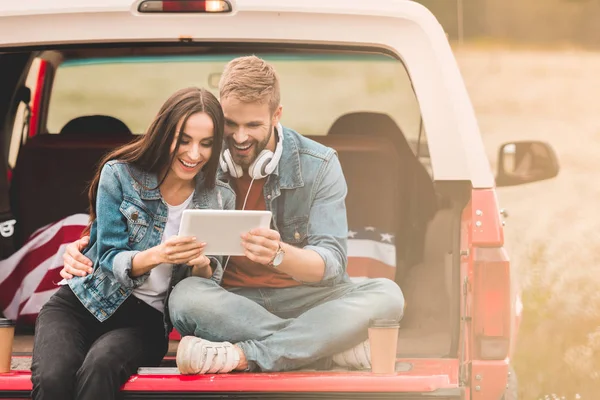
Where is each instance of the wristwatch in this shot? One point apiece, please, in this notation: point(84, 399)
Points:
point(278, 258)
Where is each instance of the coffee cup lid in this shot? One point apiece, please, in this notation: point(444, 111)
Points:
point(4, 322)
point(384, 323)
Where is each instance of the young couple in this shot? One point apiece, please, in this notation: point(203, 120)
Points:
point(287, 304)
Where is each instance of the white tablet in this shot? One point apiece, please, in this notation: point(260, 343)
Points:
point(221, 230)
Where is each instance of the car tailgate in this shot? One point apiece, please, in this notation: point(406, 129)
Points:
point(414, 379)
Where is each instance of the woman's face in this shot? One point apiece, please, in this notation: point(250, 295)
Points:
point(195, 148)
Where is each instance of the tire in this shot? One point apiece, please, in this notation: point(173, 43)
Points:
point(512, 386)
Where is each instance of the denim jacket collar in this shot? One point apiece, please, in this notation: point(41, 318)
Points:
point(150, 190)
point(288, 169)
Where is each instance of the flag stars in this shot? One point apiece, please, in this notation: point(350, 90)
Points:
point(371, 233)
point(386, 237)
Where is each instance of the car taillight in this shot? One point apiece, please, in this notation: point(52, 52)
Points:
point(36, 104)
point(491, 279)
point(184, 6)
point(491, 294)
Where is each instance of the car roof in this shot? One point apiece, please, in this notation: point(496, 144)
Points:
point(403, 28)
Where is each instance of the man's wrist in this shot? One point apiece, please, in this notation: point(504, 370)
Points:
point(277, 259)
point(204, 271)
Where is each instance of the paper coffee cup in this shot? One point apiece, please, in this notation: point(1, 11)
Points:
point(383, 341)
point(7, 334)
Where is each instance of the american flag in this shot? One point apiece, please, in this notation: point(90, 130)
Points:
point(30, 276)
point(371, 253)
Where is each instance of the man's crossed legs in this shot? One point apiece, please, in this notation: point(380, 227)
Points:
point(279, 329)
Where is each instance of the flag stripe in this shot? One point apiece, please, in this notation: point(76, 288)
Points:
point(369, 268)
point(36, 301)
point(31, 276)
point(10, 264)
point(30, 284)
point(364, 248)
point(51, 280)
point(10, 285)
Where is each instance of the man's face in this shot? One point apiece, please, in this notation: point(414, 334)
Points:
point(248, 129)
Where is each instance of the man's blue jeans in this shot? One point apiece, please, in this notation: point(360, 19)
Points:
point(287, 328)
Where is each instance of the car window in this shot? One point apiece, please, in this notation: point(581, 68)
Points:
point(316, 89)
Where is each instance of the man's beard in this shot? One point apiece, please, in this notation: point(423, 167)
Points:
point(245, 161)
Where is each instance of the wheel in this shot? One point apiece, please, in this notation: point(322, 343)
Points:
point(511, 386)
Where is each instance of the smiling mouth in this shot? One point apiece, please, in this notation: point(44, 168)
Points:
point(187, 164)
point(242, 147)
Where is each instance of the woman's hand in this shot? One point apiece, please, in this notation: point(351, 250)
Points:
point(179, 250)
point(175, 250)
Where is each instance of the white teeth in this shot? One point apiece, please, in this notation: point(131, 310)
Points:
point(188, 164)
point(242, 147)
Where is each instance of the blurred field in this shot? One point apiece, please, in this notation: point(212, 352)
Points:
point(315, 90)
point(552, 231)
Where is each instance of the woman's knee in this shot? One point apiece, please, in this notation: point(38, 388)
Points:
point(50, 381)
point(103, 367)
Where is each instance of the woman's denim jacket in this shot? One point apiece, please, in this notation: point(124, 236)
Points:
point(131, 218)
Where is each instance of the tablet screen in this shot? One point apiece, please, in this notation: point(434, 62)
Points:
point(222, 229)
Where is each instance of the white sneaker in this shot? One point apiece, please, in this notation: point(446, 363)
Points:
point(199, 356)
point(358, 357)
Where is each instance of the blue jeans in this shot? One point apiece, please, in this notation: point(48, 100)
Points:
point(287, 328)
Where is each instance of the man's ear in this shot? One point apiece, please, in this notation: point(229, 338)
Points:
point(277, 115)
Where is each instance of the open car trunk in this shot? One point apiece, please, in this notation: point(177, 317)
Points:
point(427, 358)
point(390, 192)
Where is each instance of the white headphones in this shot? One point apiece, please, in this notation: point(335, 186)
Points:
point(264, 164)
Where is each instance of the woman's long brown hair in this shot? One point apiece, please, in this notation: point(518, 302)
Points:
point(151, 152)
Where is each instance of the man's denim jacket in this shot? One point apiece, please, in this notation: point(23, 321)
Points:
point(131, 218)
point(307, 196)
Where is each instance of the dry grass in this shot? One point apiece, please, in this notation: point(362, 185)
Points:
point(552, 231)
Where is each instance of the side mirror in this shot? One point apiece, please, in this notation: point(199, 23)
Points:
point(525, 162)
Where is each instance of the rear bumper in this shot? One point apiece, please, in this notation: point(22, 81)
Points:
point(441, 394)
point(453, 394)
point(414, 379)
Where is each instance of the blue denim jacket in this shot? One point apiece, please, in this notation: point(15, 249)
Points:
point(131, 218)
point(307, 196)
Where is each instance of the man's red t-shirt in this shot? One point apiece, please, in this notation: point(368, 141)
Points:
point(241, 271)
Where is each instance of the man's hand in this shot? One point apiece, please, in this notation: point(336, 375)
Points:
point(200, 262)
point(261, 245)
point(75, 263)
point(201, 267)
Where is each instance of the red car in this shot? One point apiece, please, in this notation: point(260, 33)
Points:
point(375, 80)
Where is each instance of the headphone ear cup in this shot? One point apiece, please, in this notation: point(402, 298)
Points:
point(222, 161)
point(257, 168)
point(234, 170)
point(276, 156)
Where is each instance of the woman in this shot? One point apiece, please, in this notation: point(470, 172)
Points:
point(96, 331)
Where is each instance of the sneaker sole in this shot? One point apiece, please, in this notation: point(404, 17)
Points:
point(184, 355)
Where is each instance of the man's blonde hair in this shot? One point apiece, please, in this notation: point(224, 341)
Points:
point(250, 79)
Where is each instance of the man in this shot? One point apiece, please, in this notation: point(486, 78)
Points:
point(288, 303)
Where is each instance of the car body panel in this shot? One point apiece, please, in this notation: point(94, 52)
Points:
point(403, 28)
